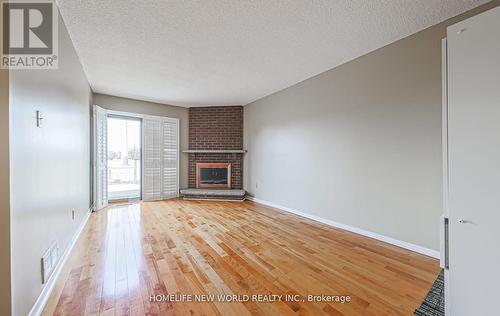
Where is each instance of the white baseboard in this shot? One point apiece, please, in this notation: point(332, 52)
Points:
point(39, 305)
point(403, 244)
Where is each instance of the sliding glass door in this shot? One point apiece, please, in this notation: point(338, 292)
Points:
point(135, 157)
point(124, 158)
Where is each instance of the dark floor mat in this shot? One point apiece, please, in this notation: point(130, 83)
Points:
point(433, 304)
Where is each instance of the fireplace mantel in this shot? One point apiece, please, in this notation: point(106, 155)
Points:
point(202, 151)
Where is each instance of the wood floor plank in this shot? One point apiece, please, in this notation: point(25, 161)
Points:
point(129, 256)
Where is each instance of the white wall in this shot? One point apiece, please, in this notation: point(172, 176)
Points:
point(49, 166)
point(359, 144)
point(150, 108)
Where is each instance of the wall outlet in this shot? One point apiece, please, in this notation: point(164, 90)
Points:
point(256, 185)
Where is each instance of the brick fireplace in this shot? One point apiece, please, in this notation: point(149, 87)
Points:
point(216, 136)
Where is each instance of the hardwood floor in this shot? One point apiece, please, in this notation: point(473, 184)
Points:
point(128, 253)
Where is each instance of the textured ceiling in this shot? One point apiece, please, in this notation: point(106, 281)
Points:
point(226, 52)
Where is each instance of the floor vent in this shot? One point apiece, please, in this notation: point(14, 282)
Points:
point(49, 261)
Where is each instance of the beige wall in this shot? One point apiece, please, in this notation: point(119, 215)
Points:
point(359, 144)
point(50, 165)
point(149, 108)
point(4, 195)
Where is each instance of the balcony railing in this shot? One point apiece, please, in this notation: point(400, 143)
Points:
point(124, 181)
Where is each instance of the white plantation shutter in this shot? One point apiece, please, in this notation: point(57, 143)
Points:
point(170, 158)
point(101, 157)
point(161, 158)
point(152, 158)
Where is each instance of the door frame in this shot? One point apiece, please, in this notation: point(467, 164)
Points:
point(446, 213)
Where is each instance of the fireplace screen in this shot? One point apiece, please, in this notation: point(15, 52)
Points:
point(213, 175)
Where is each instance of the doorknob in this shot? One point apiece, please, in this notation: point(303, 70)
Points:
point(463, 221)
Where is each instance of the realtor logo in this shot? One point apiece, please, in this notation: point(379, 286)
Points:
point(29, 35)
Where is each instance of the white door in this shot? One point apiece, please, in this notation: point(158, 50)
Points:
point(161, 158)
point(474, 165)
point(100, 157)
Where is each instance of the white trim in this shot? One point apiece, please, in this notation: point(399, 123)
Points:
point(446, 180)
point(39, 305)
point(178, 157)
point(142, 158)
point(444, 142)
point(126, 114)
point(444, 122)
point(403, 244)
